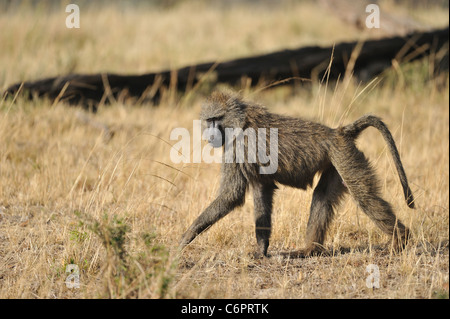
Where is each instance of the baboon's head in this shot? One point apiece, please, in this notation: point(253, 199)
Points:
point(220, 111)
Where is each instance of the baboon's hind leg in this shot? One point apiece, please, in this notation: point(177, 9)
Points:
point(263, 197)
point(363, 185)
point(326, 196)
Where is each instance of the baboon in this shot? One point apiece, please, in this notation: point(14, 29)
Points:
point(305, 149)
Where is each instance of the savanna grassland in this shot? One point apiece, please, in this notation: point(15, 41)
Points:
point(101, 192)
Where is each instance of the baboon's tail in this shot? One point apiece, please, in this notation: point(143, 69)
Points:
point(364, 122)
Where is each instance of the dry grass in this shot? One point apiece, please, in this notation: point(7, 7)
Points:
point(116, 207)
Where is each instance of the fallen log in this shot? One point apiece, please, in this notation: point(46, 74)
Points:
point(374, 57)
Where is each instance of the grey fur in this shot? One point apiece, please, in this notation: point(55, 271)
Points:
point(305, 148)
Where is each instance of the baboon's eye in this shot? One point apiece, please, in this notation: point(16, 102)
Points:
point(215, 122)
point(215, 119)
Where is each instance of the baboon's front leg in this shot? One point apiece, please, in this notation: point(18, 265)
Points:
point(262, 197)
point(327, 194)
point(231, 195)
point(219, 208)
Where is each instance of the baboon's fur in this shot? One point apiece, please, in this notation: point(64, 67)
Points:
point(304, 149)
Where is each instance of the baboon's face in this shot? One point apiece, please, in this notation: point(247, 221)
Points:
point(213, 115)
point(219, 112)
point(215, 133)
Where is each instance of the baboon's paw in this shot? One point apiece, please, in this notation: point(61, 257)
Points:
point(258, 255)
